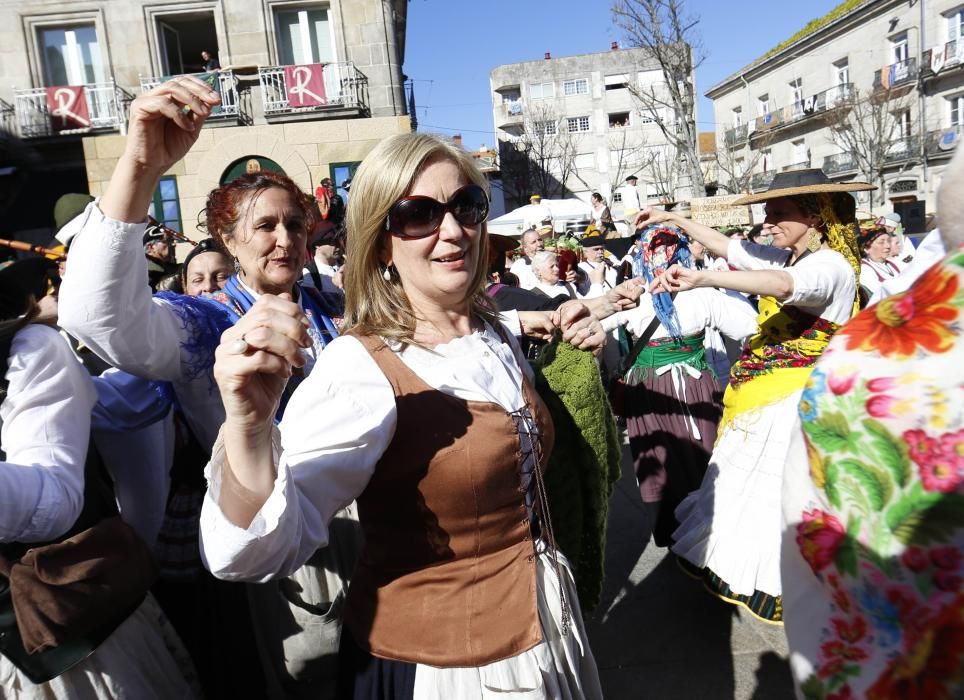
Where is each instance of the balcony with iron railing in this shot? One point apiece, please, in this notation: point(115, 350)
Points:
point(940, 143)
point(760, 181)
point(8, 117)
point(896, 74)
point(800, 165)
point(106, 106)
point(735, 136)
point(838, 95)
point(839, 163)
point(943, 57)
point(345, 92)
point(224, 82)
point(902, 149)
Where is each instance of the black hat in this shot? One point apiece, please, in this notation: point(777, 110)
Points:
point(155, 231)
point(346, 185)
point(20, 281)
point(620, 246)
point(503, 243)
point(796, 182)
point(592, 237)
point(632, 177)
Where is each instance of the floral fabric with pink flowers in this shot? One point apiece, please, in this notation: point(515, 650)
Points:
point(872, 557)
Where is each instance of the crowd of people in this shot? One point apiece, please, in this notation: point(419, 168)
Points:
point(311, 459)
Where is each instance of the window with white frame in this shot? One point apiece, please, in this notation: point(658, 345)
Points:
point(619, 120)
point(616, 82)
point(841, 72)
point(547, 128)
point(304, 35)
point(70, 55)
point(955, 110)
point(899, 48)
point(737, 117)
point(763, 105)
point(579, 86)
point(801, 154)
point(955, 24)
point(542, 91)
point(902, 124)
point(796, 91)
point(577, 124)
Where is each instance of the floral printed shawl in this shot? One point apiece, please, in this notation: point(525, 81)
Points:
point(872, 557)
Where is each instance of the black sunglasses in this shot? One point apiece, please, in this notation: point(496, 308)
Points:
point(418, 216)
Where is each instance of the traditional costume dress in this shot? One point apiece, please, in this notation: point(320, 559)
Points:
point(673, 399)
point(459, 592)
point(729, 533)
point(46, 425)
point(872, 553)
point(873, 274)
point(171, 339)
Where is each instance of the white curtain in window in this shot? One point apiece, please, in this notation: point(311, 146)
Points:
point(304, 36)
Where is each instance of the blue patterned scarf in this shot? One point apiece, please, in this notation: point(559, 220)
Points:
point(660, 247)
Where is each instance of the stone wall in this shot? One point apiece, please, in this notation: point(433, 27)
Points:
point(303, 149)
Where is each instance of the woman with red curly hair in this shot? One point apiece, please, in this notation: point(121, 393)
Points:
point(260, 219)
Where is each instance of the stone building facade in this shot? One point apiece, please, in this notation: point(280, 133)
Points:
point(580, 110)
point(775, 114)
point(116, 49)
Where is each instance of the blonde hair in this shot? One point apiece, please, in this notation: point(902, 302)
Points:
point(374, 305)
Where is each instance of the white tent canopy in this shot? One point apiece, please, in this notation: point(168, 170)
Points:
point(562, 210)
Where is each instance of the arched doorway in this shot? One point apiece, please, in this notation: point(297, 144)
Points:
point(248, 164)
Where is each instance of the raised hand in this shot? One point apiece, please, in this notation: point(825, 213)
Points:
point(649, 216)
point(626, 294)
point(165, 122)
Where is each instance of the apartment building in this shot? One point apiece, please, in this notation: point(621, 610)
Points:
point(307, 88)
point(570, 126)
point(902, 61)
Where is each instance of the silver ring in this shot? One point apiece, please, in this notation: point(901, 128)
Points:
point(239, 346)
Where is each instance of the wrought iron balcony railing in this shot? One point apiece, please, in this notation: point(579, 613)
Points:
point(106, 106)
point(345, 87)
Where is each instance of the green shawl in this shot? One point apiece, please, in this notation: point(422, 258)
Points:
point(584, 464)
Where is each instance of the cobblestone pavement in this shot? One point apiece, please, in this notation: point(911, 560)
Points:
point(658, 634)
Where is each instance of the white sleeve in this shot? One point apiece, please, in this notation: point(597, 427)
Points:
point(825, 276)
point(636, 319)
point(46, 428)
point(510, 319)
point(744, 255)
point(337, 425)
point(106, 302)
point(731, 314)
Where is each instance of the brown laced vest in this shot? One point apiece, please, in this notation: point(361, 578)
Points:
point(447, 573)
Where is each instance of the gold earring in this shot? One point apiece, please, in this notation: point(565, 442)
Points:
point(814, 240)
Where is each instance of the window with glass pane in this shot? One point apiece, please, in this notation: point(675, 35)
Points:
point(955, 25)
point(842, 70)
point(956, 110)
point(575, 87)
point(899, 48)
point(304, 36)
point(165, 205)
point(539, 91)
point(577, 124)
point(548, 128)
point(796, 91)
point(737, 117)
point(70, 55)
point(763, 105)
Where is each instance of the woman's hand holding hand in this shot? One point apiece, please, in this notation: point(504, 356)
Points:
point(580, 328)
point(677, 279)
point(161, 130)
point(626, 294)
point(254, 361)
point(539, 324)
point(598, 274)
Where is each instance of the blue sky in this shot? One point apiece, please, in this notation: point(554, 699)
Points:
point(451, 46)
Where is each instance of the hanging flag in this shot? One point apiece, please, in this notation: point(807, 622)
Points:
point(937, 59)
point(305, 85)
point(67, 105)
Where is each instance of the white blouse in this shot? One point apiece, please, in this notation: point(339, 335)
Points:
point(824, 284)
point(697, 309)
point(105, 302)
point(338, 424)
point(46, 428)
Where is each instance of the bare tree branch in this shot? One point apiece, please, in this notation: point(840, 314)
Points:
point(867, 127)
point(669, 34)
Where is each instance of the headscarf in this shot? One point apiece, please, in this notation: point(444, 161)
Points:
point(837, 212)
point(660, 246)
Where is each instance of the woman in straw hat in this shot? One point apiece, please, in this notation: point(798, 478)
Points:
point(730, 528)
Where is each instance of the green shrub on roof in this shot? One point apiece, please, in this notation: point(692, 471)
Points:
point(815, 24)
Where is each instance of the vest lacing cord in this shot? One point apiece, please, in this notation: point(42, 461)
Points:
point(524, 416)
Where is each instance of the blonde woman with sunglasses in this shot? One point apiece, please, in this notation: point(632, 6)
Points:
point(425, 413)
